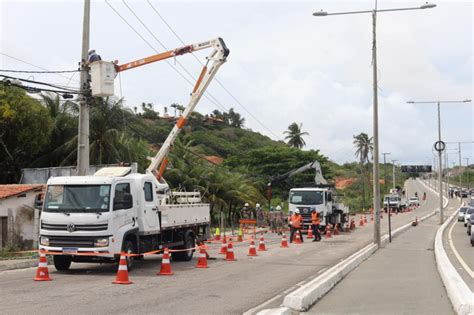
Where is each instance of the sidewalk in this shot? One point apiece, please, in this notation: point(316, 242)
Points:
point(401, 278)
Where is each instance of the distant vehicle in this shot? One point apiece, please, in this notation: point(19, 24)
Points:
point(393, 201)
point(469, 225)
point(468, 214)
point(414, 201)
point(471, 202)
point(461, 213)
point(464, 194)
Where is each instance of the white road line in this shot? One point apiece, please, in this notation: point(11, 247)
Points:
point(459, 258)
point(261, 306)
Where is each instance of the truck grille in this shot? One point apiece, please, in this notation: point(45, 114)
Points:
point(71, 241)
point(77, 227)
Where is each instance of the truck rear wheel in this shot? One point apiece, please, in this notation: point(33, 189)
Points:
point(62, 263)
point(187, 255)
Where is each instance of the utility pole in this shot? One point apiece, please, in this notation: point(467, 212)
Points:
point(385, 167)
point(83, 128)
point(393, 163)
point(460, 166)
point(467, 171)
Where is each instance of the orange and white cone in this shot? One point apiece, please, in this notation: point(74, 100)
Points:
point(165, 264)
point(230, 252)
point(42, 273)
point(336, 229)
point(261, 244)
point(284, 242)
point(310, 233)
point(365, 219)
point(122, 272)
point(202, 258)
point(328, 231)
point(252, 250)
point(298, 237)
point(415, 223)
point(223, 246)
point(372, 217)
point(353, 225)
point(361, 221)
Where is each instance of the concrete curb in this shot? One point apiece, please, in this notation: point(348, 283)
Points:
point(19, 265)
point(459, 293)
point(303, 298)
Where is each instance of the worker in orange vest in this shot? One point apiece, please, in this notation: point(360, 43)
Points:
point(296, 221)
point(315, 225)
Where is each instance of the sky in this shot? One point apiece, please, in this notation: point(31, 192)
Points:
point(285, 65)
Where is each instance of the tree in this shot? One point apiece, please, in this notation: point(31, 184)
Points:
point(364, 146)
point(295, 136)
point(235, 120)
point(25, 127)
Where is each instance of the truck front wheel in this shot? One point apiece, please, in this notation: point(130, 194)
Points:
point(62, 263)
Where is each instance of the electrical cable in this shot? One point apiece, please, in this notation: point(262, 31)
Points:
point(155, 50)
point(39, 82)
point(27, 71)
point(216, 79)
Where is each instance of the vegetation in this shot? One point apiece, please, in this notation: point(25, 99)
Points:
point(294, 135)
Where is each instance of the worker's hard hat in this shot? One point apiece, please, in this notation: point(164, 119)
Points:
point(278, 208)
point(297, 211)
point(91, 51)
point(257, 205)
point(246, 204)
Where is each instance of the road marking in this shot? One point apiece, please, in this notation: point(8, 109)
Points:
point(461, 261)
point(261, 306)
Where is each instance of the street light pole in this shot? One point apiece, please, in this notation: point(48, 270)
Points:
point(376, 185)
point(467, 171)
point(393, 175)
point(440, 151)
point(385, 167)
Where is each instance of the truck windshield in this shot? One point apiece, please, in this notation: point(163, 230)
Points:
point(306, 197)
point(77, 198)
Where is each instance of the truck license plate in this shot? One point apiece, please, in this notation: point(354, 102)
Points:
point(69, 250)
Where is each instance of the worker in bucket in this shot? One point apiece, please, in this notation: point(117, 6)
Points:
point(296, 221)
point(315, 222)
point(93, 56)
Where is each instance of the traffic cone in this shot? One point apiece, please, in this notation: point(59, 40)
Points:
point(336, 229)
point(284, 242)
point(361, 221)
point(217, 236)
point(223, 246)
point(353, 225)
point(298, 237)
point(328, 231)
point(381, 215)
point(240, 236)
point(230, 252)
point(165, 264)
point(261, 244)
point(202, 258)
point(42, 273)
point(310, 233)
point(252, 251)
point(372, 217)
point(415, 223)
point(365, 219)
point(122, 272)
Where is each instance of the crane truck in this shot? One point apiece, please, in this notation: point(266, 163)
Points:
point(319, 195)
point(95, 218)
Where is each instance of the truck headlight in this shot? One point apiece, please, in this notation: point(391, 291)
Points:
point(44, 241)
point(101, 242)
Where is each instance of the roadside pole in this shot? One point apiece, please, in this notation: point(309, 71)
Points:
point(83, 128)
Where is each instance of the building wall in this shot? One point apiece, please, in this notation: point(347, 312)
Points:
point(19, 212)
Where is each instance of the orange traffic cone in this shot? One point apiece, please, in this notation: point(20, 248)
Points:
point(261, 244)
point(365, 219)
point(223, 246)
point(310, 233)
point(165, 264)
point(298, 237)
point(353, 225)
point(42, 273)
point(328, 231)
point(252, 251)
point(217, 236)
point(230, 252)
point(122, 272)
point(336, 229)
point(361, 221)
point(284, 242)
point(381, 215)
point(372, 217)
point(415, 223)
point(202, 258)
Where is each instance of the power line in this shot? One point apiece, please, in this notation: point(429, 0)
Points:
point(40, 83)
point(44, 71)
point(217, 80)
point(155, 50)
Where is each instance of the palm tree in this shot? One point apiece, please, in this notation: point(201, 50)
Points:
point(295, 136)
point(364, 146)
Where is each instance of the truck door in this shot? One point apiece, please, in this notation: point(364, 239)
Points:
point(123, 205)
point(150, 205)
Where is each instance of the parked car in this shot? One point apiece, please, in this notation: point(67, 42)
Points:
point(469, 225)
point(464, 194)
point(468, 214)
point(461, 213)
point(414, 201)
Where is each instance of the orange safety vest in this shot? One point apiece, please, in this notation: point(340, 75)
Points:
point(315, 218)
point(296, 220)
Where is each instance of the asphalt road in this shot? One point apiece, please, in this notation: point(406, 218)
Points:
point(225, 287)
point(458, 247)
point(401, 278)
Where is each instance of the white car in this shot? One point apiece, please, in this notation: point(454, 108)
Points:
point(461, 213)
point(468, 214)
point(414, 201)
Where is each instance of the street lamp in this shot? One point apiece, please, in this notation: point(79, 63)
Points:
point(440, 150)
point(377, 238)
point(467, 171)
point(393, 164)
